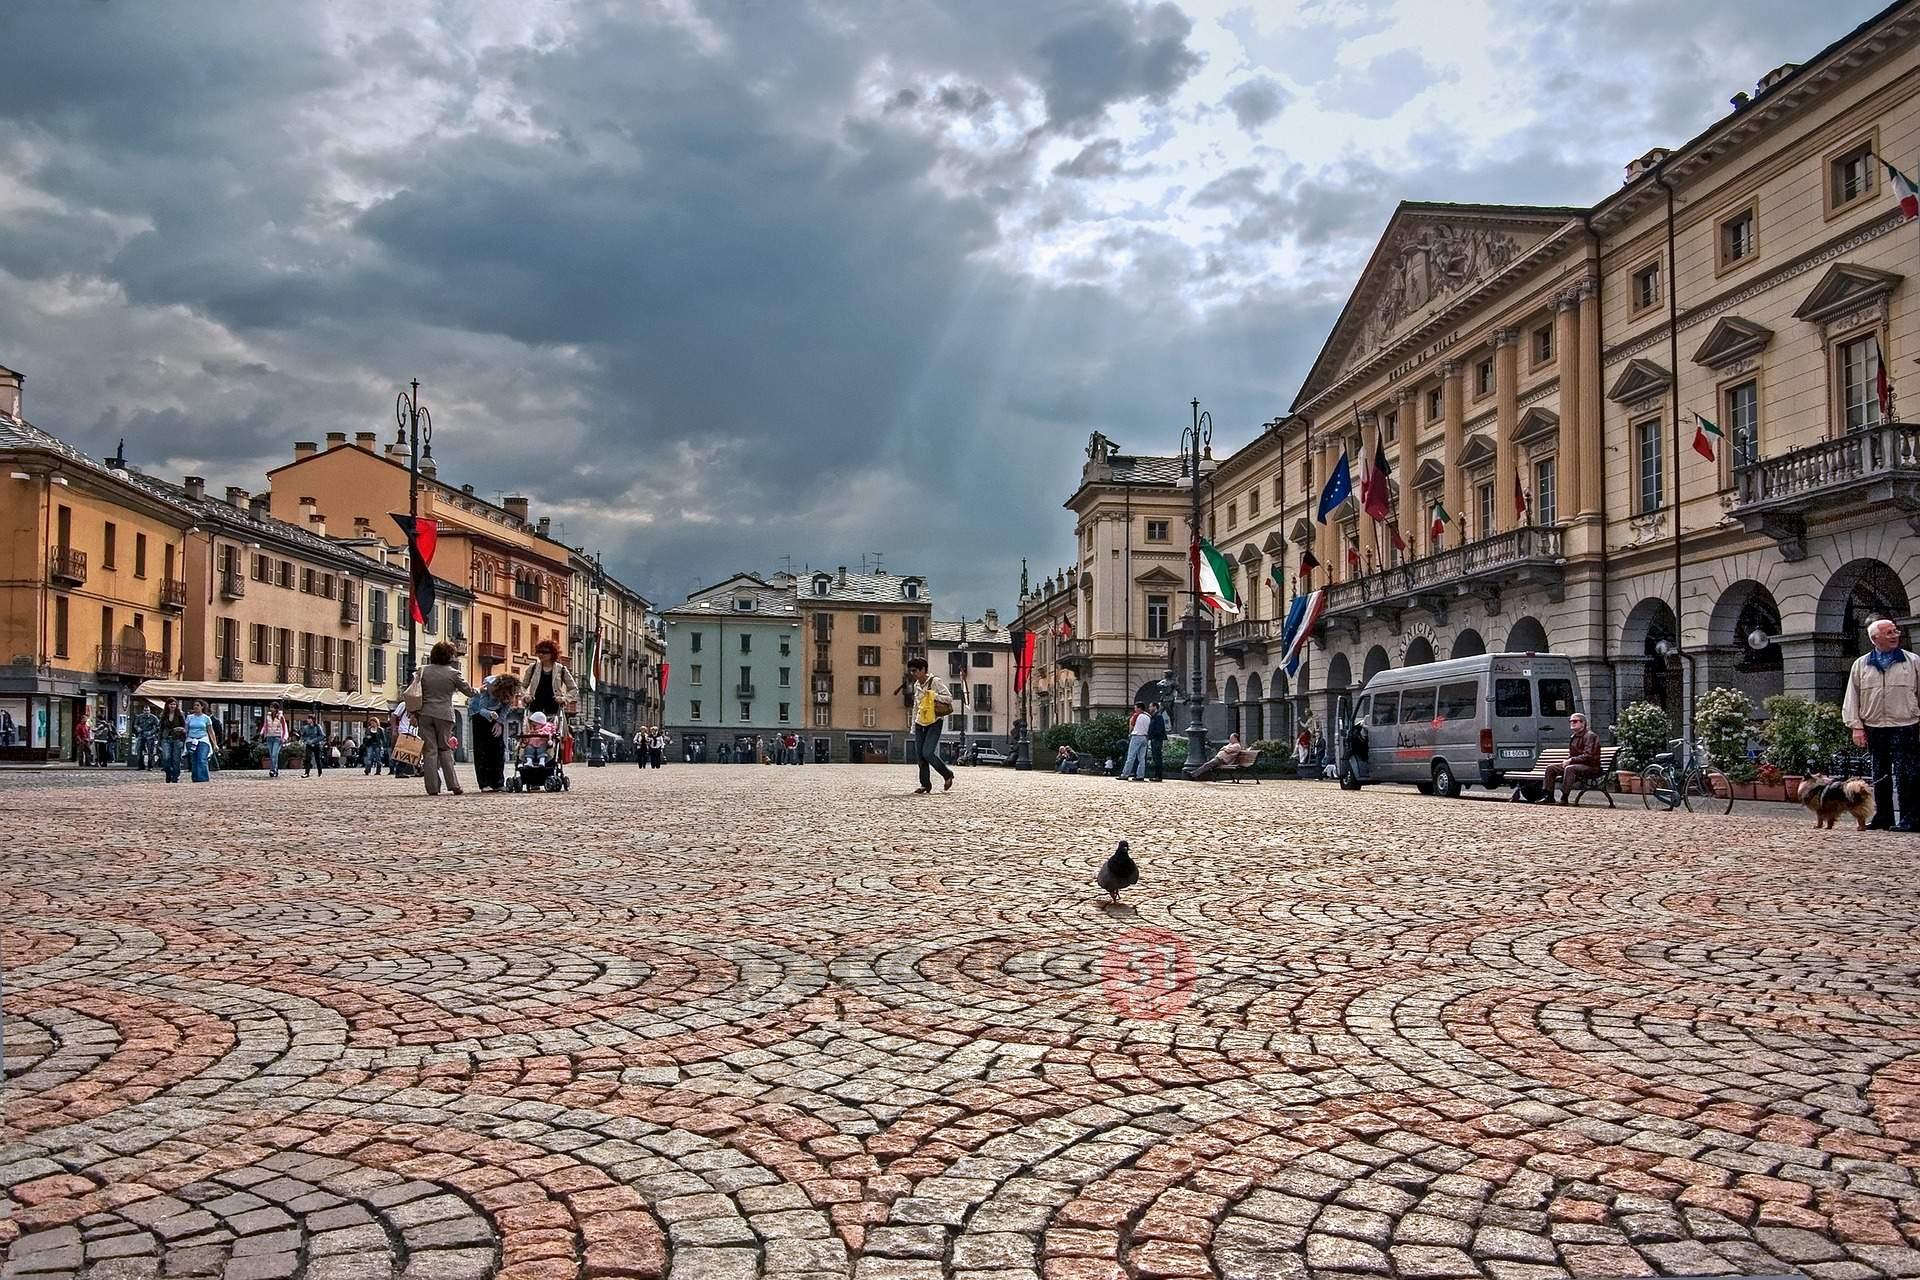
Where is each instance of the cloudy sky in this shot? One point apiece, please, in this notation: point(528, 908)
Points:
point(717, 283)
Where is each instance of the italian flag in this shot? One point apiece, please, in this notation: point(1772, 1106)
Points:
point(1215, 575)
point(1906, 189)
point(1439, 526)
point(1706, 437)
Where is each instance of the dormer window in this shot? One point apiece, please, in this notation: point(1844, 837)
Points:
point(743, 604)
point(821, 584)
point(910, 589)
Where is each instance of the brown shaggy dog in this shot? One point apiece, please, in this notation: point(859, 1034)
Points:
point(1828, 799)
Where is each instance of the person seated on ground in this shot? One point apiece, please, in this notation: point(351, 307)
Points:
point(1230, 753)
point(1066, 760)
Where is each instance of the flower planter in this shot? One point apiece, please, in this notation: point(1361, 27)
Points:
point(1745, 791)
point(1629, 783)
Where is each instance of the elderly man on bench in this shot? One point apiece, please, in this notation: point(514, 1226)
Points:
point(1583, 760)
point(1230, 756)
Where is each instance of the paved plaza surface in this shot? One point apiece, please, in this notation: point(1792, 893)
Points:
point(726, 1022)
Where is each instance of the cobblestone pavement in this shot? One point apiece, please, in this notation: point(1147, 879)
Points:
point(719, 1023)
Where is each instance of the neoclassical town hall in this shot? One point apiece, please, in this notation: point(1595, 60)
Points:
point(1526, 368)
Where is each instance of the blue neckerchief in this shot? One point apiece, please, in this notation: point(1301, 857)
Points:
point(1882, 660)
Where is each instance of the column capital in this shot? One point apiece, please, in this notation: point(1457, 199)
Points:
point(1368, 417)
point(1406, 395)
point(1451, 369)
point(1567, 299)
point(1589, 287)
point(1505, 337)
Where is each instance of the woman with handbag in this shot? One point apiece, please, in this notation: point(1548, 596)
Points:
point(434, 688)
point(932, 704)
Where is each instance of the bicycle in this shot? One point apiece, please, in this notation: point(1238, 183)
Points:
point(1665, 785)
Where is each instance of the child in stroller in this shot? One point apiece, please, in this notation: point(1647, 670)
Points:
point(535, 753)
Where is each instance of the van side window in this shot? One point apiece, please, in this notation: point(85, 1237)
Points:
point(1386, 709)
point(1513, 697)
point(1416, 706)
point(1457, 700)
point(1556, 697)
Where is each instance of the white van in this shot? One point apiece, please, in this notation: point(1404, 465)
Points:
point(1445, 725)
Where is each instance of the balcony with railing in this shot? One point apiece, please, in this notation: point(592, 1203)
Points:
point(232, 670)
point(349, 609)
point(173, 594)
point(1877, 466)
point(127, 660)
point(492, 651)
point(67, 566)
point(233, 584)
point(1532, 555)
point(316, 677)
point(1237, 638)
point(382, 631)
point(282, 672)
point(743, 691)
point(349, 682)
point(1075, 654)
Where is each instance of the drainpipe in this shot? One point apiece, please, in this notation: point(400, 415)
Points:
point(1673, 357)
point(1606, 555)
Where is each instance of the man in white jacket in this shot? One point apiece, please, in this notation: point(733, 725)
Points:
point(1882, 707)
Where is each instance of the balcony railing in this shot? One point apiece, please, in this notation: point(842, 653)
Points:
point(349, 682)
point(1879, 465)
point(233, 584)
point(1249, 633)
point(1074, 654)
point(316, 677)
point(125, 660)
point(232, 669)
point(1479, 568)
point(743, 691)
point(382, 631)
point(349, 610)
point(173, 594)
point(67, 565)
point(492, 651)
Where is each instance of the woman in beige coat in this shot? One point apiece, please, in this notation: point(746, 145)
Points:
point(439, 681)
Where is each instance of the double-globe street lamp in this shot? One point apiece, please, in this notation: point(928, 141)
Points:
point(416, 429)
point(1196, 466)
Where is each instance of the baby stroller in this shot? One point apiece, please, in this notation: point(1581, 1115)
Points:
point(533, 752)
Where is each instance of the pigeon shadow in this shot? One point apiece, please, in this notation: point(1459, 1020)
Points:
point(1117, 908)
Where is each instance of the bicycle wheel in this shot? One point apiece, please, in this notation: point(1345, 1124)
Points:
point(1656, 787)
point(1708, 791)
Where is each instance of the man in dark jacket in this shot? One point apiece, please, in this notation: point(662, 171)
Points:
point(1583, 759)
point(1157, 740)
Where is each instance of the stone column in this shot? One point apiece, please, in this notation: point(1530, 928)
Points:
point(1506, 418)
point(1592, 419)
point(1412, 520)
point(1815, 666)
point(1566, 342)
point(1454, 422)
point(1369, 538)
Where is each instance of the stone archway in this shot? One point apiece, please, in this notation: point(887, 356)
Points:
point(1528, 636)
point(1419, 652)
point(1376, 662)
point(1746, 611)
point(1859, 592)
point(1644, 676)
point(1232, 701)
point(1339, 680)
point(1468, 644)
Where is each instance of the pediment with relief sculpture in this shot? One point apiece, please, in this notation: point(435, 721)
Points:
point(1429, 254)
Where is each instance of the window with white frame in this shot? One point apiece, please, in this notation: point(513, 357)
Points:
point(1483, 378)
point(868, 717)
point(1736, 238)
point(1859, 362)
point(1156, 531)
point(1645, 292)
point(1545, 491)
point(1743, 422)
point(746, 712)
point(693, 673)
point(1483, 510)
point(1159, 610)
point(983, 724)
point(693, 709)
point(1436, 404)
point(1649, 492)
point(822, 717)
point(1851, 176)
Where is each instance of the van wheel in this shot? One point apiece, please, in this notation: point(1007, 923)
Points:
point(1444, 783)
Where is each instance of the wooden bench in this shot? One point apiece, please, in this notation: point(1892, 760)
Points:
point(1230, 772)
point(1559, 755)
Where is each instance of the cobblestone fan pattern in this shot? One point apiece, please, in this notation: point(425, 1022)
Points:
point(723, 1023)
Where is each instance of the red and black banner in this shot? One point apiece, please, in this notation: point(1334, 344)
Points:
point(422, 537)
point(1022, 660)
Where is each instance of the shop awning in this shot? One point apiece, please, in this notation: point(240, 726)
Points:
point(296, 695)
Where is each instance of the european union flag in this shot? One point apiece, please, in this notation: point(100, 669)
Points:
point(1339, 488)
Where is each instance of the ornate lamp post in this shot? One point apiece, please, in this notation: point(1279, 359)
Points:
point(1196, 465)
point(416, 431)
point(596, 748)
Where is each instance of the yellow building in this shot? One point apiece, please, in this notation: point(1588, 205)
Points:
point(93, 588)
point(519, 578)
point(860, 631)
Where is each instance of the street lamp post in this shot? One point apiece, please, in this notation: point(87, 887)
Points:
point(1196, 464)
point(961, 701)
point(596, 748)
point(416, 428)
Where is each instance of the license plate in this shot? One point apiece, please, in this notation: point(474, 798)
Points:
point(1516, 753)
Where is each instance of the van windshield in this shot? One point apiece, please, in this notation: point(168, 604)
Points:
point(1556, 696)
point(1513, 697)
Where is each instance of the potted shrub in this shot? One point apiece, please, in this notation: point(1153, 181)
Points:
point(1723, 723)
point(1641, 733)
point(1802, 738)
point(1771, 784)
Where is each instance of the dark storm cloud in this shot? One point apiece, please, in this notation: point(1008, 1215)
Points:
point(1255, 102)
point(1113, 57)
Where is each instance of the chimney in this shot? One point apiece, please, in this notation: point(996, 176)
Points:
point(335, 439)
point(364, 440)
point(993, 619)
point(236, 497)
point(843, 575)
point(304, 449)
point(317, 524)
point(467, 489)
point(260, 506)
point(516, 505)
point(309, 511)
point(362, 527)
point(10, 392)
point(1646, 162)
point(545, 526)
point(196, 487)
point(1774, 77)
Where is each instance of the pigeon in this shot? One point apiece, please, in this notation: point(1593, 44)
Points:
point(1118, 872)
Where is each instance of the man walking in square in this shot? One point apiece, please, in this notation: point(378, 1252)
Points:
point(1882, 707)
point(1138, 728)
point(1157, 740)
